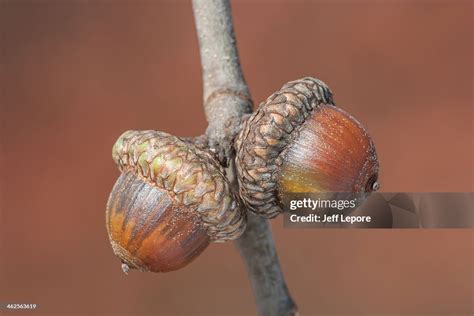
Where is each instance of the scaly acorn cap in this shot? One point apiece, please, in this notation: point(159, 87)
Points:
point(170, 201)
point(266, 139)
point(190, 175)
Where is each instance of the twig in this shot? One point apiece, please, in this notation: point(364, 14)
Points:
point(258, 251)
point(226, 101)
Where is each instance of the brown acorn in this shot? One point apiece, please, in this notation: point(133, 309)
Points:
point(171, 200)
point(298, 141)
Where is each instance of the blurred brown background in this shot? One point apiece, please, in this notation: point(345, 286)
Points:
point(76, 74)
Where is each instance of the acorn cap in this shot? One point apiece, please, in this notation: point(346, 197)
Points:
point(267, 134)
point(190, 175)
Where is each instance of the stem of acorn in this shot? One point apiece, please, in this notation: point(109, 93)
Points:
point(226, 100)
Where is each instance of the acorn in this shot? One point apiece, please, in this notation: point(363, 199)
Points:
point(170, 201)
point(298, 141)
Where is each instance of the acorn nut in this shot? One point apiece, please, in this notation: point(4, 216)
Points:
point(299, 141)
point(170, 201)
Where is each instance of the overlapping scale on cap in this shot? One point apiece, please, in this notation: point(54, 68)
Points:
point(190, 175)
point(267, 133)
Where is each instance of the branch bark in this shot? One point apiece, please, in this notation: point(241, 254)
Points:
point(226, 103)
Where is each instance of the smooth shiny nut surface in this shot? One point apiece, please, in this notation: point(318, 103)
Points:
point(331, 153)
point(148, 230)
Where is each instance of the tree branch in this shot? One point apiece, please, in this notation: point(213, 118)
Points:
point(258, 251)
point(226, 102)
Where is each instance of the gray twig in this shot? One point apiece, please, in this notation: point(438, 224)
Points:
point(226, 102)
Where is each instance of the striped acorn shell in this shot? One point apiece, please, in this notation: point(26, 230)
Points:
point(178, 200)
point(277, 150)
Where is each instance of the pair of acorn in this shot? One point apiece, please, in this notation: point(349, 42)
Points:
point(173, 198)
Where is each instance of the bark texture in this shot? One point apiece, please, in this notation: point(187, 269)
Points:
point(227, 102)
